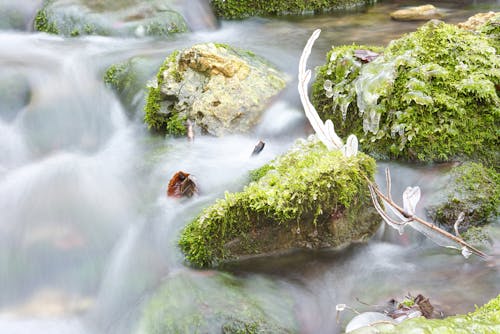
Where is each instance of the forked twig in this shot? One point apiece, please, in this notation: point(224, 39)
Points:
point(411, 217)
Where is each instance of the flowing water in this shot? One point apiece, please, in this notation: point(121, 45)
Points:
point(87, 233)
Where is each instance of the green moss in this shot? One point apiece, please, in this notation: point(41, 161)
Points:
point(431, 96)
point(168, 122)
point(237, 9)
point(42, 23)
point(474, 190)
point(289, 206)
point(485, 320)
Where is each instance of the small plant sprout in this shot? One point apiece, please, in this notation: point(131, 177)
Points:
point(325, 131)
point(406, 216)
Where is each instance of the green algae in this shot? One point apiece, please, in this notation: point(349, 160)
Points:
point(474, 190)
point(431, 96)
point(236, 9)
point(307, 198)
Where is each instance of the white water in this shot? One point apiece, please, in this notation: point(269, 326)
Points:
point(87, 233)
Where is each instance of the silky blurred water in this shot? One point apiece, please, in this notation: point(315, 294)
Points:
point(86, 232)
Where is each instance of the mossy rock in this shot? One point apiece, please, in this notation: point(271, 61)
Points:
point(431, 96)
point(213, 302)
point(237, 9)
point(485, 320)
point(109, 18)
point(129, 78)
point(474, 190)
point(222, 89)
point(308, 198)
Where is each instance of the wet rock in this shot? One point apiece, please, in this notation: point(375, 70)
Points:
point(308, 198)
point(474, 190)
point(419, 13)
point(217, 303)
point(109, 18)
point(15, 93)
point(221, 89)
point(483, 320)
point(411, 101)
point(475, 22)
point(129, 78)
point(17, 15)
point(235, 9)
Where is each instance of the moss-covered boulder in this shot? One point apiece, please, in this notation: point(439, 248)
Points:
point(432, 95)
point(307, 198)
point(129, 79)
point(109, 18)
point(474, 190)
point(485, 320)
point(218, 303)
point(237, 9)
point(221, 89)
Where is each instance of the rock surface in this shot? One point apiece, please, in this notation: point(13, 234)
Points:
point(475, 22)
point(419, 13)
point(410, 103)
point(308, 198)
point(109, 18)
point(221, 89)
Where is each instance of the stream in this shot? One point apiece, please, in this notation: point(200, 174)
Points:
point(87, 233)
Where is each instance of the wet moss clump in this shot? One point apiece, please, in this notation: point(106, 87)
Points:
point(218, 303)
point(485, 320)
point(474, 190)
point(431, 96)
point(164, 122)
point(42, 23)
point(236, 9)
point(307, 198)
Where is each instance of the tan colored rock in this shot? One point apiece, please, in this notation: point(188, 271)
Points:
point(475, 22)
point(420, 13)
point(221, 89)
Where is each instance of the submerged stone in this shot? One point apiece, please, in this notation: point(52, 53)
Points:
point(307, 198)
point(109, 18)
point(218, 303)
point(419, 100)
point(236, 9)
point(418, 13)
point(129, 78)
point(484, 320)
point(474, 190)
point(222, 89)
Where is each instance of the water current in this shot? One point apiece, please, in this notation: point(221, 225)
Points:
point(87, 233)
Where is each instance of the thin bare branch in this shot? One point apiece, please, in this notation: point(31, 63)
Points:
point(414, 218)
